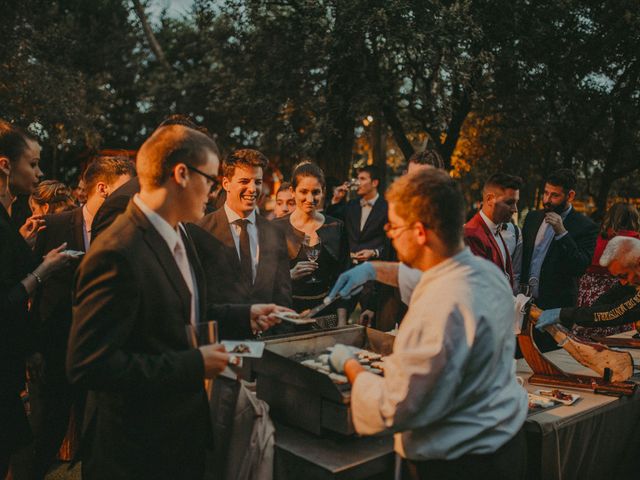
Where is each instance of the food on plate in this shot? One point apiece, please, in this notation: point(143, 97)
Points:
point(557, 394)
point(241, 348)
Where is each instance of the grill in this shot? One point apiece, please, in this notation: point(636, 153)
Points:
point(303, 397)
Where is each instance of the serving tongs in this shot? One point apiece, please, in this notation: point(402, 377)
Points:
point(306, 317)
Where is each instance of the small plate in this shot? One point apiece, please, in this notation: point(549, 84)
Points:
point(296, 321)
point(574, 397)
point(255, 348)
point(73, 253)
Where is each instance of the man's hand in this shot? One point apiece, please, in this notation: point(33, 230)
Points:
point(350, 282)
point(548, 318)
point(366, 317)
point(262, 316)
point(364, 255)
point(215, 359)
point(339, 193)
point(555, 220)
point(302, 269)
point(29, 231)
point(339, 356)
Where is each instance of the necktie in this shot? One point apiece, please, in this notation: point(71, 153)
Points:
point(180, 255)
point(245, 250)
point(366, 203)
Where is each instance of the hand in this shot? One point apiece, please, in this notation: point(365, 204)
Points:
point(302, 269)
point(366, 317)
point(262, 316)
point(339, 356)
point(364, 255)
point(548, 318)
point(54, 261)
point(215, 359)
point(349, 282)
point(339, 193)
point(555, 220)
point(29, 231)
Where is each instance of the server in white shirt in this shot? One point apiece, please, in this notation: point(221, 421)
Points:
point(449, 391)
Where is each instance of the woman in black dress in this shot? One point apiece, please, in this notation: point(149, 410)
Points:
point(317, 243)
point(20, 276)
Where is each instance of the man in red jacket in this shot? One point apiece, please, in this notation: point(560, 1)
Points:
point(482, 233)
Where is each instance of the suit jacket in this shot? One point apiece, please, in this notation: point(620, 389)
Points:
point(482, 243)
point(147, 412)
point(372, 236)
point(51, 307)
point(216, 248)
point(566, 260)
point(114, 205)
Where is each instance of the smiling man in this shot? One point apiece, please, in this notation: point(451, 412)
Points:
point(243, 254)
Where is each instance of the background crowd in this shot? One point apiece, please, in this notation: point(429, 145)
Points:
point(252, 260)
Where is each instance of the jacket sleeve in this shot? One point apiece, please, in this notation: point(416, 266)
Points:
point(577, 251)
point(13, 295)
point(106, 306)
point(234, 321)
point(618, 306)
point(476, 247)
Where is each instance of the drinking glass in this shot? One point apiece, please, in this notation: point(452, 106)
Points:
point(313, 253)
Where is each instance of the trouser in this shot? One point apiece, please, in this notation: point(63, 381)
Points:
point(51, 406)
point(509, 462)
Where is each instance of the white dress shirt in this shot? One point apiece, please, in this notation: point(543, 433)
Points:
point(173, 239)
point(495, 231)
point(450, 387)
point(512, 236)
point(367, 206)
point(252, 230)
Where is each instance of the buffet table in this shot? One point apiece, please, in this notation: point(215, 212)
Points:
point(596, 438)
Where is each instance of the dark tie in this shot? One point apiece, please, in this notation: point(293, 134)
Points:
point(245, 249)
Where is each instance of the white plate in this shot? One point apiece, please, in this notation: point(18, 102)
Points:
point(297, 321)
point(257, 348)
point(574, 397)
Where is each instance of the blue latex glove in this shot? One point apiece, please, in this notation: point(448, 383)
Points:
point(351, 281)
point(339, 356)
point(548, 317)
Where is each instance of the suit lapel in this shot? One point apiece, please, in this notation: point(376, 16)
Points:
point(263, 245)
point(201, 279)
point(77, 229)
point(375, 212)
point(492, 240)
point(165, 258)
point(222, 231)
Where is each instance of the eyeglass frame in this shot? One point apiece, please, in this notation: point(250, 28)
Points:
point(389, 228)
point(214, 180)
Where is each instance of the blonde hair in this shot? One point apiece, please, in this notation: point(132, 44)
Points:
point(626, 250)
point(55, 194)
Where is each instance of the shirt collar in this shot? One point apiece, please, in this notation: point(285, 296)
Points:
point(371, 202)
point(233, 216)
point(166, 231)
point(492, 226)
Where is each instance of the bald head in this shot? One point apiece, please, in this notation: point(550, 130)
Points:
point(167, 147)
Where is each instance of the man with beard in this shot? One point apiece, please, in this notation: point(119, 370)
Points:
point(558, 245)
point(483, 233)
point(449, 392)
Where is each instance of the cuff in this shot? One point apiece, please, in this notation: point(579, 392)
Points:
point(562, 235)
point(365, 404)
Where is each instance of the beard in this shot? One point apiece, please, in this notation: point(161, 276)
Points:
point(550, 207)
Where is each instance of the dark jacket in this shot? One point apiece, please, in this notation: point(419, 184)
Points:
point(566, 260)
point(147, 413)
point(114, 205)
point(51, 307)
point(372, 236)
point(618, 306)
point(216, 248)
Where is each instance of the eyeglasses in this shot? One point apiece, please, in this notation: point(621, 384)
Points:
point(391, 229)
point(212, 179)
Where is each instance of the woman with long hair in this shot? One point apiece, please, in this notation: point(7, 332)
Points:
point(317, 243)
point(20, 277)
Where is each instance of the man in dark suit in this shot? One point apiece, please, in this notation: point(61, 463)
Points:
point(50, 393)
point(558, 245)
point(137, 289)
point(482, 233)
point(244, 256)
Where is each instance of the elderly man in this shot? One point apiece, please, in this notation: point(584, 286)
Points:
point(449, 391)
point(617, 306)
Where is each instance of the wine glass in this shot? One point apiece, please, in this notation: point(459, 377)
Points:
point(313, 253)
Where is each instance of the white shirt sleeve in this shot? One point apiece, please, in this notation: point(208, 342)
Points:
point(408, 278)
point(421, 376)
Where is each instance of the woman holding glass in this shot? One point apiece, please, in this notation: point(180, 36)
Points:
point(316, 243)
